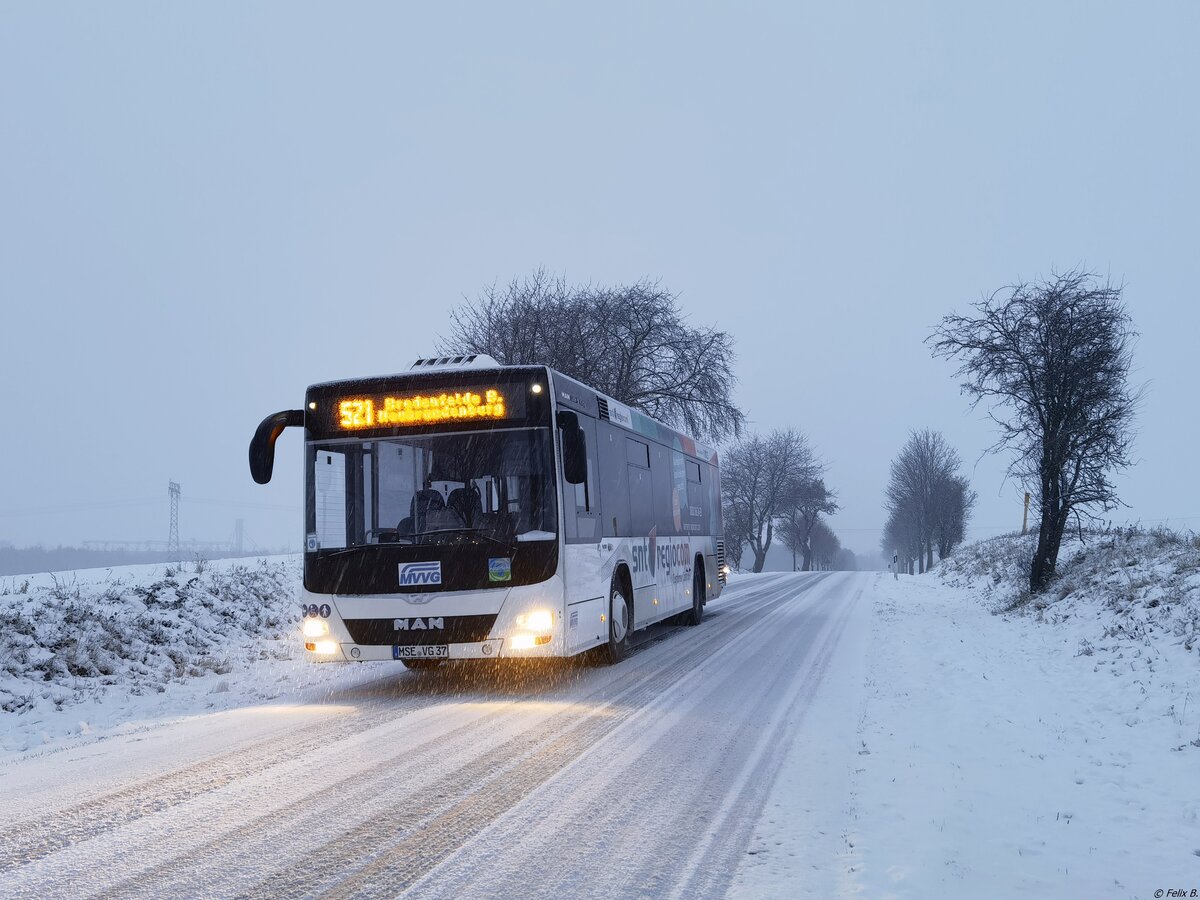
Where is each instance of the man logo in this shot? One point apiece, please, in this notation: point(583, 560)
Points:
point(420, 573)
point(429, 623)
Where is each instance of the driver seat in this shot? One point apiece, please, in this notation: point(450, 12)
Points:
point(467, 504)
point(422, 504)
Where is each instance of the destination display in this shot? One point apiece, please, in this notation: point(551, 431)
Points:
point(425, 408)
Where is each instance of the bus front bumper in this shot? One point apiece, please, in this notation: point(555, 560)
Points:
point(495, 648)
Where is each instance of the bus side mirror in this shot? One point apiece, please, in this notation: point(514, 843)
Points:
point(262, 446)
point(574, 448)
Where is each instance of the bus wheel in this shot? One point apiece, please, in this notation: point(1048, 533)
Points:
point(422, 665)
point(696, 613)
point(619, 621)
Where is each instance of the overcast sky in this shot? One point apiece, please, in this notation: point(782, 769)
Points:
point(205, 209)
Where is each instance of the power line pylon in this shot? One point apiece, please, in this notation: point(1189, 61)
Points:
point(173, 535)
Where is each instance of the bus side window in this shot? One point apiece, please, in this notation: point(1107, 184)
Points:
point(713, 486)
point(697, 496)
point(641, 503)
point(662, 477)
point(586, 519)
point(612, 480)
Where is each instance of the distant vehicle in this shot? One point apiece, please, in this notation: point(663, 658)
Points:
point(467, 510)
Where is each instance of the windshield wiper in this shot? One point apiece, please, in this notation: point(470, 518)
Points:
point(414, 540)
point(344, 550)
point(464, 532)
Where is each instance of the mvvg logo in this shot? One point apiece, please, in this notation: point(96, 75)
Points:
point(420, 573)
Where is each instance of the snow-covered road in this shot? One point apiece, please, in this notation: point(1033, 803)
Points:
point(642, 779)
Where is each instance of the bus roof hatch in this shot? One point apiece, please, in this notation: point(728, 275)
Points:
point(472, 361)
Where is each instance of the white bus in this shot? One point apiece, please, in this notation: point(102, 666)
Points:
point(467, 510)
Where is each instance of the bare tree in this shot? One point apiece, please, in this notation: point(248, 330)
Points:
point(920, 492)
point(631, 342)
point(902, 536)
point(735, 516)
point(953, 503)
point(792, 535)
point(1052, 358)
point(760, 477)
point(811, 501)
point(823, 547)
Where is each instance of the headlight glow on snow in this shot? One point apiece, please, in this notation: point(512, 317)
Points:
point(315, 627)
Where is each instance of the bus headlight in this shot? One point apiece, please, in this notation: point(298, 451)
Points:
point(315, 628)
point(538, 620)
point(528, 641)
point(324, 648)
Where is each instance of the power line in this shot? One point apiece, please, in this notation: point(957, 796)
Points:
point(146, 501)
point(242, 505)
point(978, 527)
point(78, 507)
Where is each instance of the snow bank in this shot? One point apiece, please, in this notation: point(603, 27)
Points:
point(84, 653)
point(1131, 591)
point(65, 641)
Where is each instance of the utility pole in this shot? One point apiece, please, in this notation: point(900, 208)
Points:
point(1025, 516)
point(173, 535)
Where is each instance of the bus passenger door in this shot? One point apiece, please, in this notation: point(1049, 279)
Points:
point(330, 500)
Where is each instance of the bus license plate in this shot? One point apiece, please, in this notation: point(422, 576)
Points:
point(428, 651)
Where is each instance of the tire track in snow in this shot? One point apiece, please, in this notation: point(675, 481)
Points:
point(712, 864)
point(340, 803)
point(638, 795)
point(32, 840)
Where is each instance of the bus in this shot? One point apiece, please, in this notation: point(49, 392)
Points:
point(465, 510)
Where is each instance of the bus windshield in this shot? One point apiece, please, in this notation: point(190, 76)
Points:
point(480, 486)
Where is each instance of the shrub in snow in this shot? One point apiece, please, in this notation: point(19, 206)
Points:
point(63, 641)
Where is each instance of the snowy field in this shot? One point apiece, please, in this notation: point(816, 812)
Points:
point(817, 736)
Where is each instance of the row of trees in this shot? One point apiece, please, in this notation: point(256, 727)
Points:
point(928, 502)
point(1050, 358)
point(774, 486)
